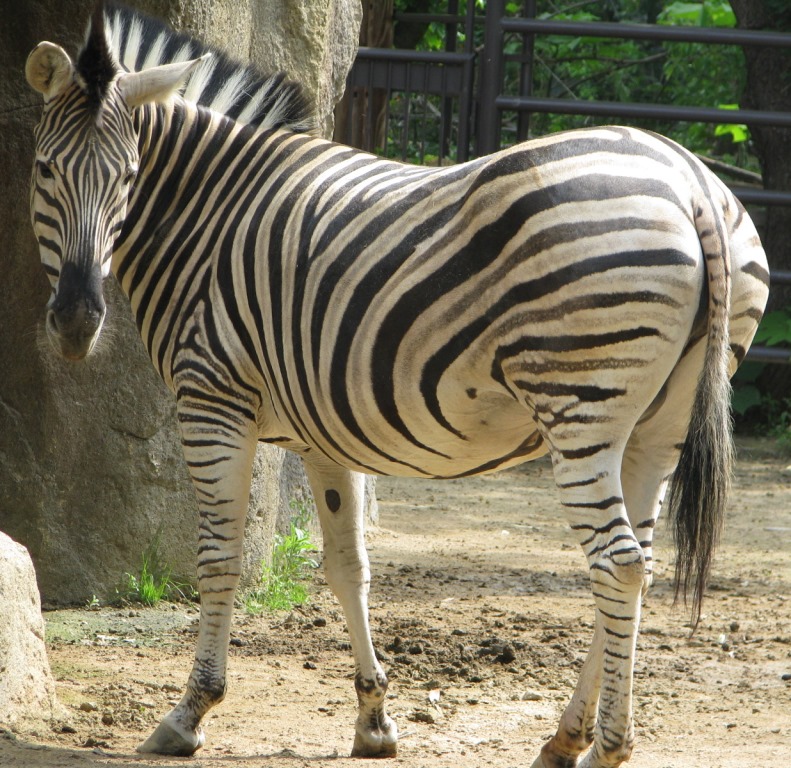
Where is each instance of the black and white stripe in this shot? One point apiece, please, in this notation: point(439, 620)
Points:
point(585, 294)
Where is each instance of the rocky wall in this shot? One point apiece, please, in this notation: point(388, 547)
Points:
point(91, 463)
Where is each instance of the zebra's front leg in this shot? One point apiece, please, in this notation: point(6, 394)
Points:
point(339, 496)
point(220, 459)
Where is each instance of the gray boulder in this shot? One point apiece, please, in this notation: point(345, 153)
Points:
point(27, 688)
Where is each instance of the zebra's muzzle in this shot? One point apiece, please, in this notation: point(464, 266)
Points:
point(76, 314)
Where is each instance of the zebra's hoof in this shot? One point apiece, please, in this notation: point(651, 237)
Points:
point(381, 741)
point(549, 759)
point(170, 739)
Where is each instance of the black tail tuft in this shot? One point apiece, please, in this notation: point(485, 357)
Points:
point(699, 492)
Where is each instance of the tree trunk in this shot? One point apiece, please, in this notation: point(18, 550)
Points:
point(357, 122)
point(769, 88)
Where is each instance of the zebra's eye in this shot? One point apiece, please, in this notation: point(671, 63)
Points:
point(131, 173)
point(45, 170)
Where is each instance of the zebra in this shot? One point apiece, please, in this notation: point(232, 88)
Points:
point(585, 295)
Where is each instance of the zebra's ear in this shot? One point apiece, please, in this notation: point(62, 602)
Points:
point(157, 83)
point(49, 70)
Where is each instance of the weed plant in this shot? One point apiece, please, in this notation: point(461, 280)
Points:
point(282, 585)
point(154, 581)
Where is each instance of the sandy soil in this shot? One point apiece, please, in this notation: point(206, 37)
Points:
point(480, 594)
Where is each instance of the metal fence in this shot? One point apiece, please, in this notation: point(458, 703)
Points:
point(455, 99)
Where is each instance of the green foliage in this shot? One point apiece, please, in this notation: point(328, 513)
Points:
point(590, 68)
point(774, 330)
point(737, 132)
point(672, 73)
point(281, 585)
point(709, 13)
point(768, 416)
point(153, 582)
point(746, 394)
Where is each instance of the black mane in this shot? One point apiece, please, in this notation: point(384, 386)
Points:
point(95, 64)
point(122, 39)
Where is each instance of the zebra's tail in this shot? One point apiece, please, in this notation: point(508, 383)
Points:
point(701, 481)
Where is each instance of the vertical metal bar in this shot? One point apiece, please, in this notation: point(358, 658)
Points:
point(446, 102)
point(368, 112)
point(406, 110)
point(389, 98)
point(424, 120)
point(445, 117)
point(466, 100)
point(349, 137)
point(526, 74)
point(491, 79)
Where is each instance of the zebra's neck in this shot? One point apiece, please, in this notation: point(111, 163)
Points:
point(194, 163)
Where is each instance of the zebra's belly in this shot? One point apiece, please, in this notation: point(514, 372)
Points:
point(474, 434)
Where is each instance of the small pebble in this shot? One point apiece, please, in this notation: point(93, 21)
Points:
point(532, 696)
point(423, 716)
point(88, 706)
point(92, 741)
point(507, 655)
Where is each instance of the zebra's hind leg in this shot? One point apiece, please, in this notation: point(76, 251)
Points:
point(590, 491)
point(643, 478)
point(339, 499)
point(220, 466)
point(576, 728)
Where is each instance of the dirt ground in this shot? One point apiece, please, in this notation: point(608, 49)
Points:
point(479, 594)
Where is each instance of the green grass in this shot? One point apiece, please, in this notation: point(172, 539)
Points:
point(153, 581)
point(282, 585)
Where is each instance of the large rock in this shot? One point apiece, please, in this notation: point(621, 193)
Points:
point(27, 688)
point(91, 463)
point(315, 42)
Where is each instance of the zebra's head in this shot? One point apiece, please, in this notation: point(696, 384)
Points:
point(86, 162)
